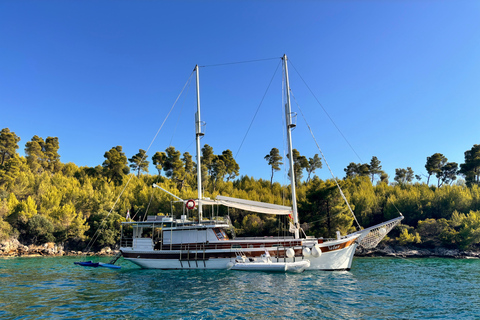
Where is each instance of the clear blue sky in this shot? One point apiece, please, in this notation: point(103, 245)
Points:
point(401, 79)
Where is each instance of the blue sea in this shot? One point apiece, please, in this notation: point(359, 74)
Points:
point(375, 288)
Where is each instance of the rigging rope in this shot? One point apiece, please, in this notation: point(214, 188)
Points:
point(97, 232)
point(238, 62)
point(258, 108)
point(181, 108)
point(151, 198)
point(324, 110)
point(324, 159)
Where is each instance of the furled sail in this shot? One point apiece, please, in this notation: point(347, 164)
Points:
point(254, 206)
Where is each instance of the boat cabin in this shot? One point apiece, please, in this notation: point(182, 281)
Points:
point(159, 232)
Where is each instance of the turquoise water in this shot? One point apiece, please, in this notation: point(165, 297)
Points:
point(375, 288)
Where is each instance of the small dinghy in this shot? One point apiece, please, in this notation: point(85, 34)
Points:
point(97, 264)
point(87, 264)
point(265, 263)
point(108, 265)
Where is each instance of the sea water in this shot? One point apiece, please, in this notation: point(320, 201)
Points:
point(375, 288)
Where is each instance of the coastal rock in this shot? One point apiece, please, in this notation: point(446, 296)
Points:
point(106, 251)
point(443, 252)
point(8, 248)
point(12, 248)
point(413, 252)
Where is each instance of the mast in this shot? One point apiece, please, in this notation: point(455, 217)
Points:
point(290, 125)
point(198, 134)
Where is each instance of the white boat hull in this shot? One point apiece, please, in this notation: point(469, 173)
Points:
point(295, 267)
point(336, 255)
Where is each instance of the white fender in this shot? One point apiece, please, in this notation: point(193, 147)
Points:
point(290, 253)
point(306, 252)
point(316, 251)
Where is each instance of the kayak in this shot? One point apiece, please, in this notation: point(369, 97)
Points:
point(97, 264)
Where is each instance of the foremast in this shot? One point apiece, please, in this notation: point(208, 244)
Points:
point(290, 126)
point(198, 134)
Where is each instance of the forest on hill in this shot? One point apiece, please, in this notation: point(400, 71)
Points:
point(45, 200)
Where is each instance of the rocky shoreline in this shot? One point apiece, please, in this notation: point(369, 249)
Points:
point(14, 248)
point(413, 252)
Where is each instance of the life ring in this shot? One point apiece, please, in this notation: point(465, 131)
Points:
point(190, 205)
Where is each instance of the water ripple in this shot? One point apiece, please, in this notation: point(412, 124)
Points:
point(376, 288)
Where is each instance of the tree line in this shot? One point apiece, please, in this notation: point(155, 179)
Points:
point(43, 199)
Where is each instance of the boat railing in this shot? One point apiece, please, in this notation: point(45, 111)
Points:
point(126, 242)
point(329, 239)
point(217, 220)
point(264, 238)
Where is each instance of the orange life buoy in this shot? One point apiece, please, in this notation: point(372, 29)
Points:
point(190, 205)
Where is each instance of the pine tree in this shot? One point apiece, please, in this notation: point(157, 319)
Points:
point(313, 164)
point(8, 145)
point(274, 160)
point(139, 162)
point(471, 168)
point(115, 166)
point(159, 161)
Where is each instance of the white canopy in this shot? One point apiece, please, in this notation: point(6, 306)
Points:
point(248, 205)
point(254, 206)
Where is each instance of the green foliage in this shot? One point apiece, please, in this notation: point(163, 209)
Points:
point(299, 163)
point(159, 160)
point(231, 166)
point(467, 228)
point(5, 227)
point(174, 167)
point(105, 228)
point(115, 166)
point(5, 230)
point(448, 173)
point(39, 230)
point(10, 171)
point(433, 232)
point(208, 158)
point(324, 209)
point(139, 162)
point(252, 225)
point(42, 155)
point(434, 164)
point(403, 176)
point(8, 145)
point(313, 164)
point(42, 199)
point(375, 168)
point(22, 212)
point(364, 169)
point(356, 170)
point(274, 160)
point(471, 168)
point(407, 238)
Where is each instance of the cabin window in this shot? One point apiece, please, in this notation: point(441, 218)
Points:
point(236, 246)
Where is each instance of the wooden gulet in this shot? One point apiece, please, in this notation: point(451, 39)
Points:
point(171, 243)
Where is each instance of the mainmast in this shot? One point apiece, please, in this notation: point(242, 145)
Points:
point(290, 125)
point(199, 134)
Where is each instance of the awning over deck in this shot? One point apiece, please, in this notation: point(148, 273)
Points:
point(254, 206)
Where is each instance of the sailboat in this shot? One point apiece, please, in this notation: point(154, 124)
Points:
point(169, 242)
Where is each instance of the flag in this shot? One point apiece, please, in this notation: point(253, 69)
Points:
point(292, 228)
point(128, 215)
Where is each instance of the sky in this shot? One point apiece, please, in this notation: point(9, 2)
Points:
point(399, 80)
